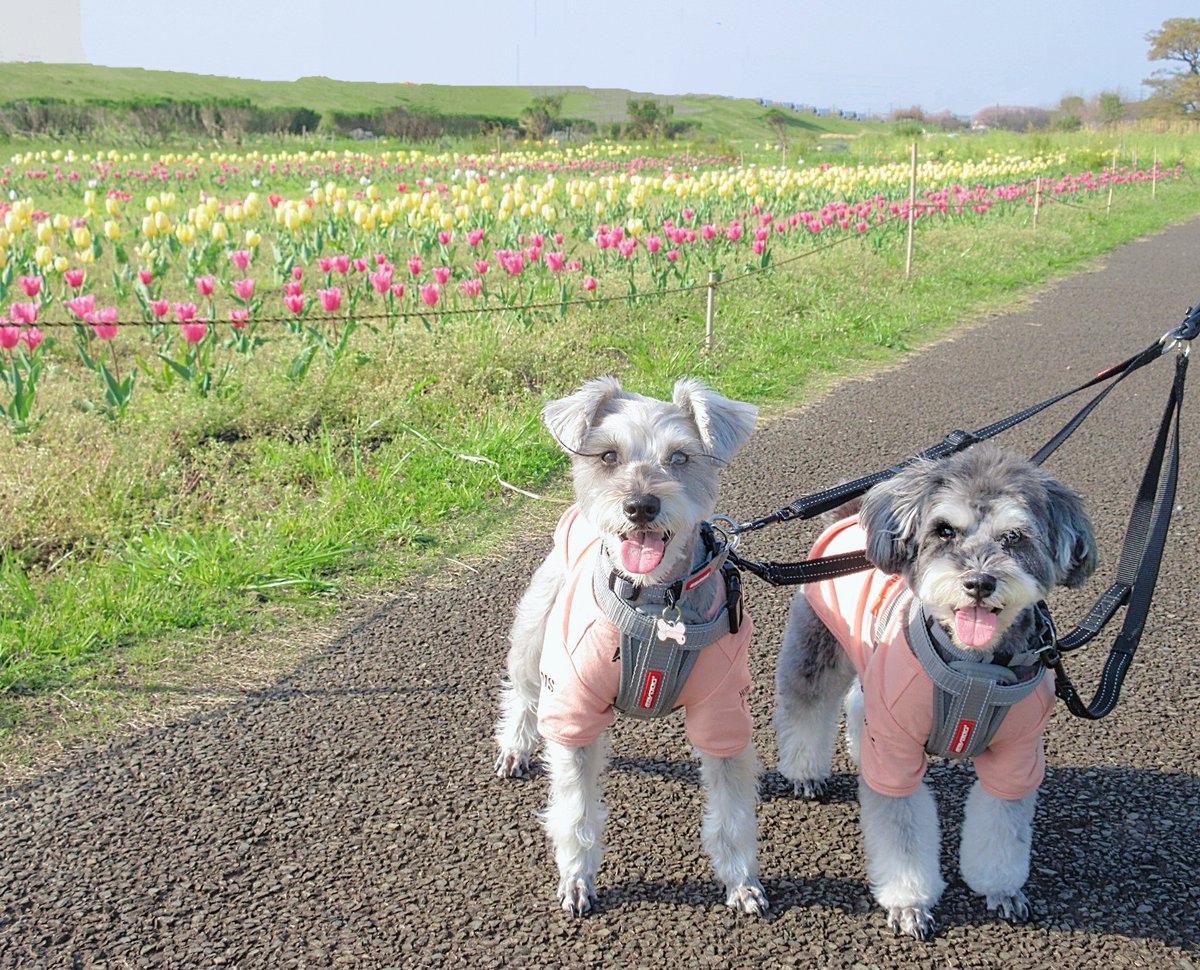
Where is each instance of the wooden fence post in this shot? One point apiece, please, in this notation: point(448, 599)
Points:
point(1037, 200)
point(912, 213)
point(708, 313)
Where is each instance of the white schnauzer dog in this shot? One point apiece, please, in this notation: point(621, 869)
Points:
point(635, 580)
point(938, 645)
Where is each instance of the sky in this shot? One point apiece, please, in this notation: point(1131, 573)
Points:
point(858, 55)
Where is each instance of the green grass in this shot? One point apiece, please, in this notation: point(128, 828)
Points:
point(723, 119)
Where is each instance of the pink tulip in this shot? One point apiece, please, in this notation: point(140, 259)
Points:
point(341, 263)
point(159, 307)
point(23, 312)
point(244, 288)
point(472, 287)
point(238, 316)
point(293, 287)
point(708, 231)
point(294, 302)
point(325, 264)
point(688, 214)
point(397, 290)
point(554, 261)
point(627, 246)
point(74, 278)
point(205, 285)
point(474, 237)
point(758, 247)
point(414, 265)
point(481, 266)
point(32, 285)
point(194, 331)
point(297, 272)
point(672, 254)
point(81, 306)
point(444, 237)
point(360, 265)
point(10, 334)
point(32, 337)
point(733, 233)
point(653, 244)
point(240, 258)
point(146, 276)
point(441, 274)
point(105, 331)
point(589, 283)
point(185, 312)
point(106, 314)
point(430, 294)
point(381, 281)
point(330, 299)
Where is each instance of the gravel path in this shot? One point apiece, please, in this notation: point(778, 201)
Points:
point(348, 815)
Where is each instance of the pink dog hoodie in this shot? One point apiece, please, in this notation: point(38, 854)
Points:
point(898, 693)
point(581, 671)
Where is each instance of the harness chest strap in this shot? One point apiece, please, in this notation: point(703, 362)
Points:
point(656, 656)
point(970, 699)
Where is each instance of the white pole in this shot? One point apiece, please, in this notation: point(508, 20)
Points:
point(1037, 200)
point(912, 211)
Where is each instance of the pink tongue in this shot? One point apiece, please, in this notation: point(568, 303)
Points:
point(975, 626)
point(642, 551)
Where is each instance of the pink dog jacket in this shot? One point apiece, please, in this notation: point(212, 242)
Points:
point(898, 693)
point(581, 672)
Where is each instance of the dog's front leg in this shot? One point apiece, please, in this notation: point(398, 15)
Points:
point(574, 820)
point(729, 831)
point(903, 842)
point(516, 728)
point(997, 840)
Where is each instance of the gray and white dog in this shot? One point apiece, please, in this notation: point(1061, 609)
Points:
point(646, 477)
point(965, 549)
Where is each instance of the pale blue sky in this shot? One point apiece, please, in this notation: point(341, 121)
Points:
point(862, 55)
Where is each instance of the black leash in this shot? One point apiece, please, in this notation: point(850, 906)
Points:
point(1145, 538)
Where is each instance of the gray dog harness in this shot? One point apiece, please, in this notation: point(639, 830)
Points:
point(663, 628)
point(970, 699)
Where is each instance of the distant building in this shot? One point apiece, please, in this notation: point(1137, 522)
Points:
point(50, 31)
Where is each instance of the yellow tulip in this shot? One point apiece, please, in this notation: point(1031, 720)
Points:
point(43, 256)
point(112, 230)
point(61, 264)
point(44, 233)
point(81, 236)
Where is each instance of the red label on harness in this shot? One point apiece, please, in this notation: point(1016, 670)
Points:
point(650, 688)
point(698, 578)
point(962, 735)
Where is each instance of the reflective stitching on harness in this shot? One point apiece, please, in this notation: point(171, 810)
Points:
point(655, 663)
point(970, 699)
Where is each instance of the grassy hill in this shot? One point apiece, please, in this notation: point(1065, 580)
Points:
point(730, 119)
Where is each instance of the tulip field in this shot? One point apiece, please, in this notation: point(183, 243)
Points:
point(228, 379)
point(171, 272)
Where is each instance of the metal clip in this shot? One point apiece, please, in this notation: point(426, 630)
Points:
point(1181, 337)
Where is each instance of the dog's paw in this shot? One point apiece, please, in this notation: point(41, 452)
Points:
point(914, 921)
point(575, 894)
point(512, 764)
point(1013, 907)
point(749, 897)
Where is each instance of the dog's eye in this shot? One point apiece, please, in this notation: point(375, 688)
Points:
point(943, 530)
point(1010, 538)
point(609, 457)
point(678, 458)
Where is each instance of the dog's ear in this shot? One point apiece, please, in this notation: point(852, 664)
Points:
point(724, 425)
point(891, 515)
point(570, 418)
point(1073, 544)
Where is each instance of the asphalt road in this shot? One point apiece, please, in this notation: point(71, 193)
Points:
point(348, 815)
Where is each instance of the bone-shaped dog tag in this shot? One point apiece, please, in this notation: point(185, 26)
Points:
point(672, 631)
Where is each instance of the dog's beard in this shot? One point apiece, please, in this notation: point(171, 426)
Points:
point(974, 625)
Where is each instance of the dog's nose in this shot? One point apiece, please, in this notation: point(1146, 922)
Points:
point(640, 509)
point(981, 585)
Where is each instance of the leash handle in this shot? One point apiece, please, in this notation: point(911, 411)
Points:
point(1137, 572)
